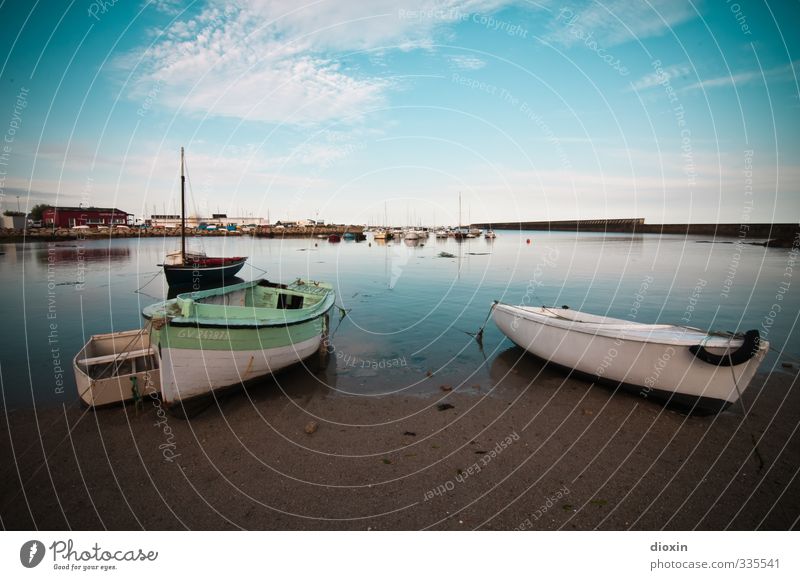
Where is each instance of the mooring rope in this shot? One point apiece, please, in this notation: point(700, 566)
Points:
point(479, 335)
point(140, 288)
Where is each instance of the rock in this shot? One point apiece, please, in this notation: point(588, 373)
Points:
point(787, 365)
point(588, 412)
point(311, 427)
point(444, 406)
point(446, 387)
point(429, 373)
point(410, 434)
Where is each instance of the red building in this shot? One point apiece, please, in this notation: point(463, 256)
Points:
point(69, 217)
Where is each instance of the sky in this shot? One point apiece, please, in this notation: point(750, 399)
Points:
point(365, 112)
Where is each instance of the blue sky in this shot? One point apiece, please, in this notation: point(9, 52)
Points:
point(672, 111)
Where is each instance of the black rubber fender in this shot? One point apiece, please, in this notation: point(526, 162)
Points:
point(752, 340)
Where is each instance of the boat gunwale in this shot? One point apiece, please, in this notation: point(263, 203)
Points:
point(319, 309)
point(237, 261)
point(121, 333)
point(689, 336)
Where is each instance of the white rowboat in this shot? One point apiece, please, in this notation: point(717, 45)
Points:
point(685, 368)
point(116, 368)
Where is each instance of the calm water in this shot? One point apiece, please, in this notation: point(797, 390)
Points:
point(410, 311)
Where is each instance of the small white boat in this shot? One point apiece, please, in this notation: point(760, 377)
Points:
point(411, 235)
point(116, 368)
point(441, 234)
point(686, 368)
point(490, 235)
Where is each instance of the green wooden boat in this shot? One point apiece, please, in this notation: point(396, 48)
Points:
point(220, 338)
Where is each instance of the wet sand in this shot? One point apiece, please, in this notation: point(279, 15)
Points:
point(554, 454)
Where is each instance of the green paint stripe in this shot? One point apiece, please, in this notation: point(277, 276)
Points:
point(233, 339)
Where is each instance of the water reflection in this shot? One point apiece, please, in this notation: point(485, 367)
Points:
point(70, 253)
point(409, 300)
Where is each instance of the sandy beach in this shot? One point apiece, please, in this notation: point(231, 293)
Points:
point(558, 453)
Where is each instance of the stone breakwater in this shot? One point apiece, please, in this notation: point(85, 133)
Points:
point(49, 234)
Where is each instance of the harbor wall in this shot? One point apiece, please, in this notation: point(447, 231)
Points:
point(764, 231)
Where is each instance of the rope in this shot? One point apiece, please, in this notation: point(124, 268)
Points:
point(257, 268)
point(140, 288)
point(479, 335)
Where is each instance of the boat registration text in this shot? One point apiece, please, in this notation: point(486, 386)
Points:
point(204, 334)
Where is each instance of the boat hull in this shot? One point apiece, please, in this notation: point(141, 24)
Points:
point(199, 360)
point(663, 372)
point(190, 275)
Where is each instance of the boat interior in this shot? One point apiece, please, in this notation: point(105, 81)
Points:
point(117, 355)
point(268, 294)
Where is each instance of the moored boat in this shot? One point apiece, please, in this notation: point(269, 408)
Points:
point(116, 368)
point(195, 268)
point(334, 238)
point(685, 368)
point(217, 339)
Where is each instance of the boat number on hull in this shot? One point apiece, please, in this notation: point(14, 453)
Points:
point(203, 334)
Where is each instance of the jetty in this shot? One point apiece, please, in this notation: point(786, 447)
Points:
point(781, 232)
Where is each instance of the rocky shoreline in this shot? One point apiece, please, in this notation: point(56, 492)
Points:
point(50, 235)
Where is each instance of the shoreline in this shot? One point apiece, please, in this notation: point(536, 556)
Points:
point(556, 453)
point(767, 235)
point(61, 235)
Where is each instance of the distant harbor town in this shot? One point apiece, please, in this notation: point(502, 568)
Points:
point(63, 222)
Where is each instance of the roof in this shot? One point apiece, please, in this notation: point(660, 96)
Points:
point(101, 209)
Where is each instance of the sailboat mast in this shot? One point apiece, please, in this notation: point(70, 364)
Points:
point(459, 211)
point(183, 212)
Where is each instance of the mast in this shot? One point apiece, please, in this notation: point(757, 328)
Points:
point(459, 211)
point(183, 212)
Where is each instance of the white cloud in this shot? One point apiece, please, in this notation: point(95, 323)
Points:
point(781, 73)
point(614, 22)
point(667, 74)
point(274, 61)
point(467, 62)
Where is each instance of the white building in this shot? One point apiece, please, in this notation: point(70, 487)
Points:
point(220, 220)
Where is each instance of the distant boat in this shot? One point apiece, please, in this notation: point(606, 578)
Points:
point(459, 234)
point(212, 340)
point(490, 235)
point(685, 368)
point(334, 238)
point(195, 268)
point(349, 236)
point(441, 234)
point(411, 235)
